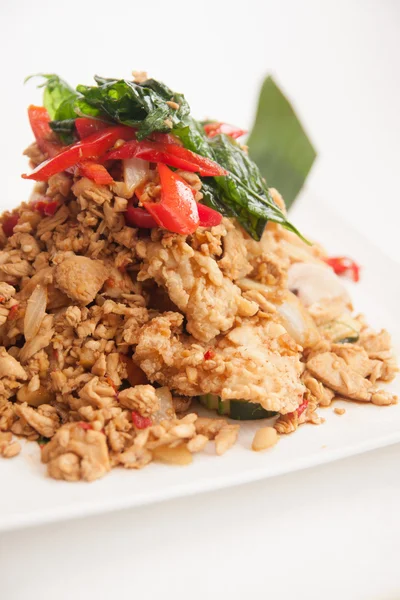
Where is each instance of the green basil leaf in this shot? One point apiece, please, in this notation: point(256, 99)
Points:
point(56, 93)
point(245, 189)
point(66, 110)
point(83, 109)
point(279, 144)
point(65, 129)
point(64, 121)
point(194, 138)
point(117, 100)
point(242, 193)
point(143, 105)
point(212, 197)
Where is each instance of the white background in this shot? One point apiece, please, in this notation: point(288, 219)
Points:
point(329, 532)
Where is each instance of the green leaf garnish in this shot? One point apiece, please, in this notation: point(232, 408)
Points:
point(142, 105)
point(242, 193)
point(59, 100)
point(56, 92)
point(279, 144)
point(65, 129)
point(151, 106)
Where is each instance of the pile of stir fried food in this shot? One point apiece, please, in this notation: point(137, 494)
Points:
point(151, 271)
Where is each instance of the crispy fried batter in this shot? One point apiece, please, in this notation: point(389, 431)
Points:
point(246, 363)
point(197, 286)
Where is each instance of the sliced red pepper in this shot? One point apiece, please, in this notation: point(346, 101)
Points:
point(177, 209)
point(343, 265)
point(86, 126)
point(165, 138)
point(47, 207)
point(39, 120)
point(141, 422)
point(302, 407)
point(13, 313)
point(151, 151)
point(96, 172)
point(168, 154)
point(139, 217)
point(209, 354)
point(205, 166)
point(9, 223)
point(84, 425)
point(208, 216)
point(213, 129)
point(92, 147)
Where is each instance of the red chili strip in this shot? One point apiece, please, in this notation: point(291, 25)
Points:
point(40, 124)
point(95, 172)
point(86, 126)
point(84, 425)
point(342, 265)
point(139, 217)
point(47, 207)
point(172, 155)
point(177, 209)
point(9, 223)
point(141, 422)
point(208, 216)
point(302, 407)
point(213, 129)
point(92, 147)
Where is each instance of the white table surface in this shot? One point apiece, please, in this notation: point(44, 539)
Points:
point(329, 532)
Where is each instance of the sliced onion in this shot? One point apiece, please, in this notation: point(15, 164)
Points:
point(35, 312)
point(312, 283)
point(166, 410)
point(135, 171)
point(39, 341)
point(297, 321)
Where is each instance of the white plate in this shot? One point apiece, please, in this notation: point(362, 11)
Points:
point(29, 498)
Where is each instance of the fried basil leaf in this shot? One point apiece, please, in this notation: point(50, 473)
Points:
point(141, 105)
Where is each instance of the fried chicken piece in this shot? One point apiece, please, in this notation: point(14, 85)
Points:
point(196, 285)
point(44, 420)
point(81, 278)
point(234, 263)
point(376, 344)
point(141, 398)
point(59, 184)
point(10, 367)
point(335, 373)
point(244, 364)
point(323, 395)
point(76, 453)
point(355, 357)
point(86, 190)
